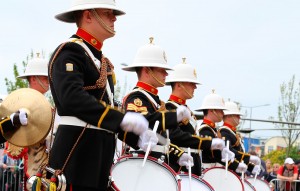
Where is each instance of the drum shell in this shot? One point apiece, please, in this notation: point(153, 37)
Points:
point(127, 174)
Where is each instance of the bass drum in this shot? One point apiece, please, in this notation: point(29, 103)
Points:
point(127, 174)
point(259, 184)
point(197, 184)
point(216, 178)
point(248, 186)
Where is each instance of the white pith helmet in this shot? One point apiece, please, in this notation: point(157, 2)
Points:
point(36, 67)
point(212, 101)
point(183, 73)
point(231, 108)
point(77, 5)
point(149, 55)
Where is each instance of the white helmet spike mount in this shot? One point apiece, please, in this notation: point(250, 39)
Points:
point(183, 73)
point(36, 67)
point(78, 5)
point(212, 101)
point(149, 55)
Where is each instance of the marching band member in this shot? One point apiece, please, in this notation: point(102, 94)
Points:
point(212, 107)
point(150, 64)
point(183, 81)
point(36, 73)
point(82, 84)
point(228, 131)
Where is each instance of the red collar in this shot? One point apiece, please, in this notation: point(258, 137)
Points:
point(89, 38)
point(208, 122)
point(177, 99)
point(230, 127)
point(147, 87)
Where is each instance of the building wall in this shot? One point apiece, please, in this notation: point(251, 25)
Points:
point(275, 143)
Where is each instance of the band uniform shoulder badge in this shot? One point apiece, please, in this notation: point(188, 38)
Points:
point(138, 102)
point(69, 67)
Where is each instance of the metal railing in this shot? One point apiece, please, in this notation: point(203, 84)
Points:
point(283, 185)
point(11, 178)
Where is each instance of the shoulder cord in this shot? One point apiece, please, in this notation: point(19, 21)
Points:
point(105, 62)
point(237, 143)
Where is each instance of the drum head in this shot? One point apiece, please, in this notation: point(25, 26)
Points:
point(129, 175)
point(216, 177)
point(259, 184)
point(197, 184)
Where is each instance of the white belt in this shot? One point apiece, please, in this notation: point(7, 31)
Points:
point(211, 165)
point(74, 121)
point(164, 149)
point(191, 150)
point(160, 149)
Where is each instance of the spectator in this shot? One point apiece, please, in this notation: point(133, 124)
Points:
point(269, 166)
point(273, 175)
point(287, 174)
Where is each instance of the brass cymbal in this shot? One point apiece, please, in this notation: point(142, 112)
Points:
point(39, 114)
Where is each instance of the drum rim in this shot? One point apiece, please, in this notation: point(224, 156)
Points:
point(198, 178)
point(151, 159)
point(249, 184)
point(259, 178)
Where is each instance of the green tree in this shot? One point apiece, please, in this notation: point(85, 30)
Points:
point(288, 111)
point(17, 83)
point(278, 156)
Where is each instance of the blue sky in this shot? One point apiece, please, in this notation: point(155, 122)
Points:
point(243, 49)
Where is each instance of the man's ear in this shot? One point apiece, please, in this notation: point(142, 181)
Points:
point(87, 15)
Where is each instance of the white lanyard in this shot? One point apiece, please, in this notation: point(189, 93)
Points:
point(97, 64)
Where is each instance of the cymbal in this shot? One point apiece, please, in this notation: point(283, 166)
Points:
point(39, 114)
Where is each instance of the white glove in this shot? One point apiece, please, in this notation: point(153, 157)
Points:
point(255, 160)
point(217, 144)
point(256, 169)
point(146, 138)
point(183, 113)
point(231, 155)
point(134, 122)
point(241, 168)
point(20, 118)
point(185, 159)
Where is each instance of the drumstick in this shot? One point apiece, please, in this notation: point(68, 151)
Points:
point(167, 145)
point(256, 174)
point(226, 162)
point(243, 181)
point(190, 170)
point(148, 148)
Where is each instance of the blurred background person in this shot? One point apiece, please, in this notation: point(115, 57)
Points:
point(287, 173)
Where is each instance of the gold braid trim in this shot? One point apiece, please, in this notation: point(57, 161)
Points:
point(125, 135)
point(237, 143)
point(3, 120)
point(101, 82)
point(201, 139)
point(163, 121)
point(102, 116)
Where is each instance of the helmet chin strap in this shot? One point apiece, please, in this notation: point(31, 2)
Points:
point(218, 116)
point(153, 76)
point(184, 89)
point(41, 83)
point(101, 22)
